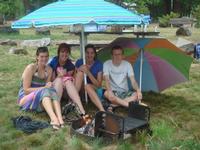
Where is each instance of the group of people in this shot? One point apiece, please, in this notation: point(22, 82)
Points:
point(43, 83)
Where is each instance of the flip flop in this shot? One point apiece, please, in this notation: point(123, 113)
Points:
point(62, 125)
point(55, 126)
point(110, 109)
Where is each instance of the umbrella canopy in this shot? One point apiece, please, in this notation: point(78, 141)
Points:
point(163, 64)
point(69, 12)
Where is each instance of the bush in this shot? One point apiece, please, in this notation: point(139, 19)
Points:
point(196, 14)
point(164, 20)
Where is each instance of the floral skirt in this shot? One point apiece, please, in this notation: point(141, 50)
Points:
point(34, 99)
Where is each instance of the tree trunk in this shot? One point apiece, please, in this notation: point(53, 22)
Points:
point(167, 6)
point(27, 6)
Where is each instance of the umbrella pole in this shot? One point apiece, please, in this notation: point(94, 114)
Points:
point(141, 68)
point(82, 45)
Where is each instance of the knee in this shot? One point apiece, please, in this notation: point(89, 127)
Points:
point(111, 98)
point(68, 82)
point(58, 81)
point(106, 94)
point(45, 99)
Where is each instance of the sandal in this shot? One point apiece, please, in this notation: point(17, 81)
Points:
point(55, 126)
point(110, 109)
point(62, 125)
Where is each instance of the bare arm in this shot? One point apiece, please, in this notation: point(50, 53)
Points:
point(97, 82)
point(107, 81)
point(50, 74)
point(135, 87)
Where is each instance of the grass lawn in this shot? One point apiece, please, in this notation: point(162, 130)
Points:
point(174, 112)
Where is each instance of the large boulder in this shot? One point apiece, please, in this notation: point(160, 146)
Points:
point(42, 31)
point(183, 31)
point(14, 50)
point(8, 42)
point(36, 43)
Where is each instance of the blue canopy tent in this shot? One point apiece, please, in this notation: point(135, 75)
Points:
point(83, 12)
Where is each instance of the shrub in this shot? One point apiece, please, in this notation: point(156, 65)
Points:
point(196, 14)
point(164, 20)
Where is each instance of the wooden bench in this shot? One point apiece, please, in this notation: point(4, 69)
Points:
point(184, 21)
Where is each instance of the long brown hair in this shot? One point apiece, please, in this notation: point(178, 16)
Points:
point(41, 50)
point(64, 46)
point(92, 47)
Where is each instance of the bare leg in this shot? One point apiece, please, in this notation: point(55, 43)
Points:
point(57, 109)
point(79, 80)
point(116, 100)
point(47, 104)
point(58, 85)
point(131, 98)
point(93, 96)
point(73, 94)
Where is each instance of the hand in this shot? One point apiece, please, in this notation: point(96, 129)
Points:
point(84, 68)
point(139, 95)
point(61, 72)
point(49, 85)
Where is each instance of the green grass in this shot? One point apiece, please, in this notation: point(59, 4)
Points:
point(174, 112)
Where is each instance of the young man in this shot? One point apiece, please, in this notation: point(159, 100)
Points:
point(116, 73)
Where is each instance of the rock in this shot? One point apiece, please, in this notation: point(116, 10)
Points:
point(14, 50)
point(36, 43)
point(8, 29)
point(183, 31)
point(43, 31)
point(189, 48)
point(8, 42)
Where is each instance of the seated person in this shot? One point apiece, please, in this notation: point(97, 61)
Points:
point(63, 70)
point(93, 70)
point(116, 73)
point(36, 92)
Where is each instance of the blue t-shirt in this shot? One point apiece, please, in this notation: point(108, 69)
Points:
point(69, 66)
point(94, 69)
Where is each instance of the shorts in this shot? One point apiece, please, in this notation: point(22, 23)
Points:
point(123, 95)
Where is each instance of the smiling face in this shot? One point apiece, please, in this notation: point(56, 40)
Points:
point(63, 55)
point(42, 58)
point(90, 54)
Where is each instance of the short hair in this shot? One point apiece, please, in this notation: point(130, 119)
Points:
point(42, 50)
point(117, 47)
point(92, 47)
point(64, 46)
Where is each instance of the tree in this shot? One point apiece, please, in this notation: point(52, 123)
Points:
point(196, 14)
point(7, 9)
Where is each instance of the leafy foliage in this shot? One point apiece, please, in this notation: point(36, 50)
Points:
point(196, 14)
point(164, 20)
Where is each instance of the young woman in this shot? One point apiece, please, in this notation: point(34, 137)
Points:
point(63, 70)
point(36, 92)
point(94, 71)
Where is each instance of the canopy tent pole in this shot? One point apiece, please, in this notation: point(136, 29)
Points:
point(141, 68)
point(82, 46)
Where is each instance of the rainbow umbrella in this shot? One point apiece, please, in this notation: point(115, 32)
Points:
point(158, 64)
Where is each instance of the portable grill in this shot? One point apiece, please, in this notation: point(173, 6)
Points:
point(113, 126)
